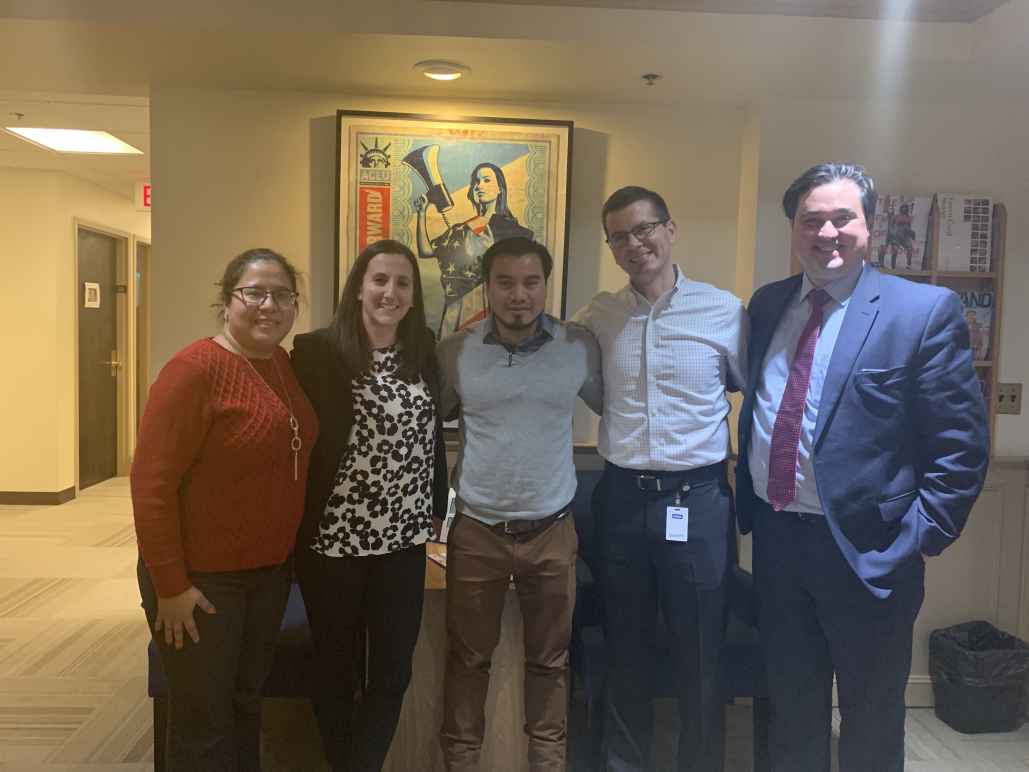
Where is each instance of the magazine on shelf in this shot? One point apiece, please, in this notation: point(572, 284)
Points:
point(978, 305)
point(963, 232)
point(900, 232)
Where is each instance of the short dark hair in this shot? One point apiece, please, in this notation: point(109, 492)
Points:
point(237, 267)
point(823, 174)
point(414, 340)
point(516, 246)
point(628, 196)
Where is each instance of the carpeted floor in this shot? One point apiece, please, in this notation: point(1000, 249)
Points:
point(73, 665)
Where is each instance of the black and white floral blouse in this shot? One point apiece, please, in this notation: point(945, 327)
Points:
point(382, 501)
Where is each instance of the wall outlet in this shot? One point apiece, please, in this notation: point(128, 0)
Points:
point(1009, 398)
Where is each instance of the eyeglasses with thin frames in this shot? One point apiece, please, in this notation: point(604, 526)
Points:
point(641, 231)
point(255, 296)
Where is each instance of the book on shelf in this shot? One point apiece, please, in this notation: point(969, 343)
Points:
point(900, 232)
point(978, 305)
point(963, 232)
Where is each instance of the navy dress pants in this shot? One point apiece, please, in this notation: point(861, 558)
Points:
point(641, 572)
point(817, 619)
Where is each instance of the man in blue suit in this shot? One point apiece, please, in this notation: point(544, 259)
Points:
point(863, 446)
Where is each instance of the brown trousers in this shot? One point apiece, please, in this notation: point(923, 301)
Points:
point(480, 565)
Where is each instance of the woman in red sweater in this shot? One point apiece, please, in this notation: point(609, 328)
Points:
point(218, 485)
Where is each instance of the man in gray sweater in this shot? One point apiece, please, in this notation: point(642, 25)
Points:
point(515, 378)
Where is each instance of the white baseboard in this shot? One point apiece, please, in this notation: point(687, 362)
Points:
point(919, 693)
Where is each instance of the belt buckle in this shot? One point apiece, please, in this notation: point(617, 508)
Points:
point(516, 528)
point(522, 527)
point(649, 477)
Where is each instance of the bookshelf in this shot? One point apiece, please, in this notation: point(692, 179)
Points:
point(971, 285)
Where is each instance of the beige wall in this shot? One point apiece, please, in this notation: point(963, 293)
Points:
point(29, 454)
point(38, 313)
point(235, 170)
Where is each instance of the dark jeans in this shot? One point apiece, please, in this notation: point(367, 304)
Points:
point(816, 618)
point(640, 571)
point(349, 600)
point(214, 686)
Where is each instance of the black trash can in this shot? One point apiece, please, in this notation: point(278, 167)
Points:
point(979, 675)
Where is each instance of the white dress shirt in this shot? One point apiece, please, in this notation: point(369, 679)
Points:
point(665, 371)
point(775, 371)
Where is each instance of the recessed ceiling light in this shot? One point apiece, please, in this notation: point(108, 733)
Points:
point(75, 141)
point(440, 70)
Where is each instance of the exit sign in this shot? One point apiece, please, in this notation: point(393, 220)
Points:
point(142, 196)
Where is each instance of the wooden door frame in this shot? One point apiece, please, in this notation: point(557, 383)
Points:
point(140, 337)
point(125, 323)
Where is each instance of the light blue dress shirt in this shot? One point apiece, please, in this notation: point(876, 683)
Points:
point(666, 367)
point(775, 371)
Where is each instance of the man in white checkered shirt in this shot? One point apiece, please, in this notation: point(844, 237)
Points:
point(671, 348)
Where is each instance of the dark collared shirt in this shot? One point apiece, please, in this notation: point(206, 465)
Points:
point(531, 344)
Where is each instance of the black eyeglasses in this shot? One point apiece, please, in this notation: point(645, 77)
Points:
point(641, 231)
point(255, 296)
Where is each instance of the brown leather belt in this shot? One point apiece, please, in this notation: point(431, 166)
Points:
point(524, 527)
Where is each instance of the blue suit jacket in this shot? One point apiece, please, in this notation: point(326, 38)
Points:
point(901, 443)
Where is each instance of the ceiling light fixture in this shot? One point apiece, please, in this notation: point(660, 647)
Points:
point(438, 69)
point(75, 141)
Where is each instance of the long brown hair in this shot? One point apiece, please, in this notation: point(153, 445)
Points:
point(414, 340)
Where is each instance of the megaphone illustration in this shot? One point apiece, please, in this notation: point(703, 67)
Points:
point(425, 162)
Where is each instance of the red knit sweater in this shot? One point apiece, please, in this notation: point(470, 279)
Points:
point(212, 478)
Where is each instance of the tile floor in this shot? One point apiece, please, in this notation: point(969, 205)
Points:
point(73, 666)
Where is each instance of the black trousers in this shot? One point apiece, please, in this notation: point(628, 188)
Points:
point(641, 571)
point(816, 618)
point(214, 686)
point(349, 600)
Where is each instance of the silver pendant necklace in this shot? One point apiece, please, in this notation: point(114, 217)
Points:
point(295, 443)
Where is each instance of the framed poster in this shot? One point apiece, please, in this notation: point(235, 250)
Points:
point(448, 189)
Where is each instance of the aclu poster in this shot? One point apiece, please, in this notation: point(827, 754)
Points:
point(449, 189)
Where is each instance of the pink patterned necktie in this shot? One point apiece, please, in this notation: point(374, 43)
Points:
point(782, 462)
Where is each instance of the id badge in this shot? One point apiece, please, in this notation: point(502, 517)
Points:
point(677, 523)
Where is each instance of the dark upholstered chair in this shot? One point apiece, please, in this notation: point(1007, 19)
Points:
point(742, 671)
